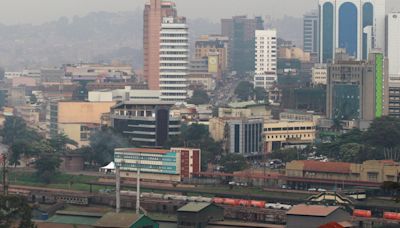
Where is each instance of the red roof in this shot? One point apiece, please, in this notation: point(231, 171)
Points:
point(312, 210)
point(331, 225)
point(327, 167)
point(142, 150)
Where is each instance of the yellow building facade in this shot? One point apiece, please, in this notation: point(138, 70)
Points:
point(78, 119)
point(278, 134)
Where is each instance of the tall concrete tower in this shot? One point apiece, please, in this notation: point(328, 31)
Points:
point(355, 25)
point(153, 14)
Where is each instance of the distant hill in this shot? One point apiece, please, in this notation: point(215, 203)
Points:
point(96, 37)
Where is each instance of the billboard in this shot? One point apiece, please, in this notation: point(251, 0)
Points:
point(213, 64)
point(378, 85)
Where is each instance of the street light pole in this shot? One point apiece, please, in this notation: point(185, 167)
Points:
point(138, 185)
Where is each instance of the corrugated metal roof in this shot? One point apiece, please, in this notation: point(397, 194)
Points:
point(327, 167)
point(142, 150)
point(193, 207)
point(73, 219)
point(312, 210)
point(118, 220)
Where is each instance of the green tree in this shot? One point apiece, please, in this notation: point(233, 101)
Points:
point(18, 149)
point(14, 128)
point(103, 144)
point(33, 99)
point(244, 91)
point(197, 136)
point(288, 155)
point(47, 165)
point(15, 210)
point(60, 143)
point(384, 133)
point(233, 163)
point(199, 97)
point(350, 152)
point(260, 94)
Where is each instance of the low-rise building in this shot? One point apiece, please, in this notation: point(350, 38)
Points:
point(77, 119)
point(294, 53)
point(284, 134)
point(125, 94)
point(190, 114)
point(125, 220)
point(203, 80)
point(198, 215)
point(94, 72)
point(146, 122)
point(240, 135)
point(313, 216)
point(246, 109)
point(52, 75)
point(307, 174)
point(172, 165)
point(299, 116)
point(319, 74)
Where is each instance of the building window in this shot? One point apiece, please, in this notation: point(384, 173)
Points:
point(372, 176)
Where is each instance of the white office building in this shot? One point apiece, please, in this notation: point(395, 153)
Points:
point(174, 59)
point(319, 74)
point(311, 33)
point(265, 59)
point(393, 46)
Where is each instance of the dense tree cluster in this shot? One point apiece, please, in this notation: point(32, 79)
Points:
point(245, 91)
point(25, 141)
point(15, 212)
point(101, 147)
point(380, 141)
point(199, 97)
point(289, 154)
point(197, 136)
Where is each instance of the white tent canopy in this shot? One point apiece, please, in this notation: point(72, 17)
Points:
point(108, 168)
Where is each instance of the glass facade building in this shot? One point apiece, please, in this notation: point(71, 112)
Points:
point(355, 25)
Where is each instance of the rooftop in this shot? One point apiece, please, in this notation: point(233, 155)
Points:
point(118, 220)
point(142, 150)
point(312, 210)
point(145, 102)
point(245, 104)
point(327, 167)
point(194, 207)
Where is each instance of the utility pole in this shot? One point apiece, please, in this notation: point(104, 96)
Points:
point(138, 187)
point(117, 190)
point(5, 175)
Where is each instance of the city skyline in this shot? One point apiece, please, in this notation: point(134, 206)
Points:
point(34, 13)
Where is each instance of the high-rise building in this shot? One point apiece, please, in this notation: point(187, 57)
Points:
point(265, 58)
point(311, 33)
point(393, 46)
point(241, 31)
point(357, 90)
point(355, 25)
point(393, 53)
point(153, 14)
point(174, 59)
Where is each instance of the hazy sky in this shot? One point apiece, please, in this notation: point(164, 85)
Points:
point(39, 11)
